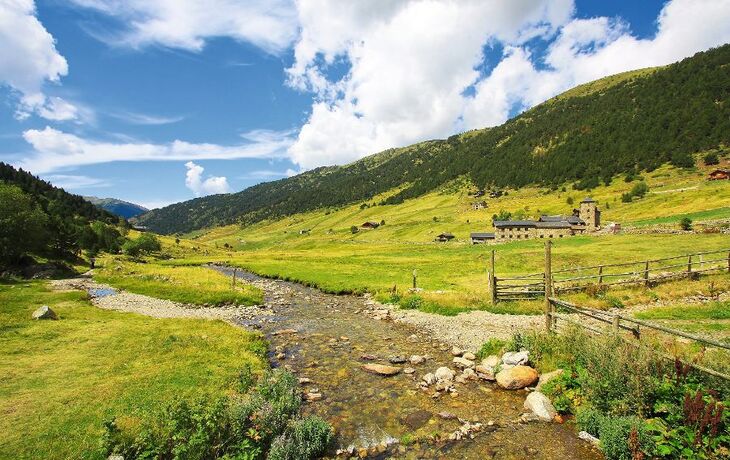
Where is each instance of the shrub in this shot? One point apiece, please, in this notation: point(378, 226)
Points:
point(413, 302)
point(639, 189)
point(353, 230)
point(625, 438)
point(711, 159)
point(589, 420)
point(626, 198)
point(147, 243)
point(570, 200)
point(686, 223)
point(305, 439)
point(492, 346)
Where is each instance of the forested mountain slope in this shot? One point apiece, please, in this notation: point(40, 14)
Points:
point(639, 121)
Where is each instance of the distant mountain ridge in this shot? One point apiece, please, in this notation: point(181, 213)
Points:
point(117, 207)
point(633, 121)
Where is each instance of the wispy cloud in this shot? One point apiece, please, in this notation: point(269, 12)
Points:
point(54, 150)
point(265, 174)
point(145, 119)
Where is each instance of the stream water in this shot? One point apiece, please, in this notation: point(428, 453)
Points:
point(332, 342)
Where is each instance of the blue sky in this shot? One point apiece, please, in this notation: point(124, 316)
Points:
point(161, 101)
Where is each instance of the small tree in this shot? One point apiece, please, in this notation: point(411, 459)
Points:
point(570, 200)
point(147, 243)
point(177, 241)
point(686, 224)
point(382, 222)
point(353, 229)
point(22, 225)
point(711, 159)
point(640, 189)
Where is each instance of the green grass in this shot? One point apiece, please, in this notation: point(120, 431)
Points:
point(60, 379)
point(711, 214)
point(186, 284)
point(713, 310)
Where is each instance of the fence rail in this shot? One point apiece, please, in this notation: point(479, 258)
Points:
point(618, 321)
point(643, 272)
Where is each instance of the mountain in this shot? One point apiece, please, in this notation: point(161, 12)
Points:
point(624, 123)
point(117, 207)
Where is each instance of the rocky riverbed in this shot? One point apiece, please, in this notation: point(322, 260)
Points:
point(393, 384)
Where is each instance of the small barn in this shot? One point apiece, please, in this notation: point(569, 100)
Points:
point(370, 225)
point(719, 174)
point(479, 205)
point(478, 238)
point(444, 237)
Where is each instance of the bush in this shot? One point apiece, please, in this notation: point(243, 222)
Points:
point(686, 223)
point(570, 200)
point(147, 243)
point(306, 439)
point(492, 346)
point(639, 189)
point(625, 438)
point(413, 302)
point(353, 230)
point(711, 159)
point(589, 420)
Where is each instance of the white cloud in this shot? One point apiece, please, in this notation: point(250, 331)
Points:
point(29, 59)
point(269, 24)
point(71, 182)
point(411, 62)
point(201, 187)
point(145, 119)
point(54, 150)
point(265, 174)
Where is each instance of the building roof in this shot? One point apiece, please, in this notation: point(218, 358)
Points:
point(575, 220)
point(588, 200)
point(445, 235)
point(513, 223)
point(551, 219)
point(720, 170)
point(372, 224)
point(482, 235)
point(562, 224)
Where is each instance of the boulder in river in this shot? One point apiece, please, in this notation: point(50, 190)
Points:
point(444, 373)
point(456, 351)
point(469, 355)
point(381, 369)
point(516, 377)
point(491, 361)
point(45, 312)
point(397, 359)
point(516, 358)
point(417, 419)
point(417, 359)
point(485, 372)
point(541, 406)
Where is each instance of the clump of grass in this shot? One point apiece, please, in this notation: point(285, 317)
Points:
point(492, 346)
point(712, 310)
point(185, 284)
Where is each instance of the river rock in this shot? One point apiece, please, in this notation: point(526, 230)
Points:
point(541, 406)
point(491, 361)
point(417, 419)
point(469, 355)
point(45, 312)
point(456, 351)
point(397, 359)
point(311, 397)
point(586, 436)
point(417, 359)
point(444, 373)
point(285, 332)
point(485, 372)
point(516, 358)
point(545, 378)
point(381, 369)
point(429, 379)
point(368, 357)
point(516, 377)
point(409, 370)
point(469, 374)
point(463, 363)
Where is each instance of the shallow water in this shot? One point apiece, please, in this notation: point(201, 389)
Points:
point(102, 292)
point(367, 410)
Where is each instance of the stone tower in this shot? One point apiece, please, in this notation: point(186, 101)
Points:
point(590, 214)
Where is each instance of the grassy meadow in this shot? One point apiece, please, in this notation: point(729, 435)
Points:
point(62, 379)
point(185, 284)
point(319, 249)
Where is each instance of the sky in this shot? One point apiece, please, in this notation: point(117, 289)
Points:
point(160, 101)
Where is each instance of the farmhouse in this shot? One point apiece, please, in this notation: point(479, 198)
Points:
point(444, 237)
point(719, 174)
point(370, 225)
point(585, 219)
point(477, 205)
point(477, 238)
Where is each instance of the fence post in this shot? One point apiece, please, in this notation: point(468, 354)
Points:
point(233, 280)
point(415, 279)
point(548, 286)
point(492, 279)
point(689, 265)
point(616, 323)
point(646, 273)
point(600, 275)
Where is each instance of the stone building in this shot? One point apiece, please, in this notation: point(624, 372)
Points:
point(585, 219)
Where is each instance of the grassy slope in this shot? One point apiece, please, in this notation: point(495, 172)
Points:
point(60, 379)
point(376, 260)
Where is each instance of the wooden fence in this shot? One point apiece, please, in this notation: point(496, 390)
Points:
point(621, 324)
point(645, 272)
